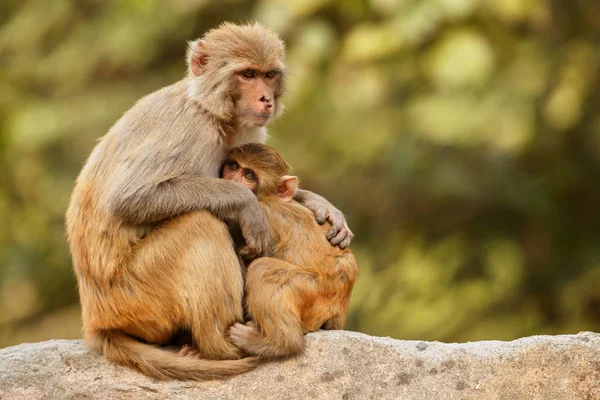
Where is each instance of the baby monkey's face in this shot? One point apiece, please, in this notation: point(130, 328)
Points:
point(235, 172)
point(262, 170)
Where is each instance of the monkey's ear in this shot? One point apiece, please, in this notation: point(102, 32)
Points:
point(287, 187)
point(196, 56)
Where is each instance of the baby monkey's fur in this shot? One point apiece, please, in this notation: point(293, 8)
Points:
point(305, 283)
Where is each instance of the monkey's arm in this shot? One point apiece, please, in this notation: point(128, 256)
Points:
point(151, 202)
point(339, 234)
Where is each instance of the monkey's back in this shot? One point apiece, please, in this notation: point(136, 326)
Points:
point(140, 148)
point(296, 237)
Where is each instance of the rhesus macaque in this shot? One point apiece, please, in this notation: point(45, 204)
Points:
point(151, 251)
point(304, 284)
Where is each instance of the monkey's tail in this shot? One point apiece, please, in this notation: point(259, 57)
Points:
point(162, 364)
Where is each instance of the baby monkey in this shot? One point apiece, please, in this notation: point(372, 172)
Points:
point(305, 283)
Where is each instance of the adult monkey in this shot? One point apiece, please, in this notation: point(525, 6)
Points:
point(151, 258)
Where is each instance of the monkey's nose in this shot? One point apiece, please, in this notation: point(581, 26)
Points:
point(265, 99)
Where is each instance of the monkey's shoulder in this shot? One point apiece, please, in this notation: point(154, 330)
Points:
point(286, 214)
point(174, 92)
point(167, 114)
point(297, 230)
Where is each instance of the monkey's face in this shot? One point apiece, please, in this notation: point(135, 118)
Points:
point(259, 90)
point(261, 169)
point(283, 187)
point(233, 171)
point(237, 73)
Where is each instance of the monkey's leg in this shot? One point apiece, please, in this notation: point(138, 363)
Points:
point(275, 292)
point(335, 323)
point(188, 278)
point(212, 287)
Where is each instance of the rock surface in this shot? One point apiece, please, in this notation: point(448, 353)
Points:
point(336, 365)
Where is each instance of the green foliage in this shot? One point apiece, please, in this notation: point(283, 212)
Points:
point(461, 138)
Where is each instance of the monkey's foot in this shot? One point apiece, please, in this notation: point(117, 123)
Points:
point(188, 350)
point(241, 334)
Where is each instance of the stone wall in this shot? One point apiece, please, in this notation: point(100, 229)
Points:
point(336, 365)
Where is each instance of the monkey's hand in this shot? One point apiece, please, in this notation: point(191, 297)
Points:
point(254, 230)
point(339, 234)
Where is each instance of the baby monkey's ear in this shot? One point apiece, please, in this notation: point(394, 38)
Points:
point(287, 187)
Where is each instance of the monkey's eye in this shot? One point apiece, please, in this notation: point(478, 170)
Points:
point(271, 74)
point(249, 73)
point(233, 166)
point(249, 176)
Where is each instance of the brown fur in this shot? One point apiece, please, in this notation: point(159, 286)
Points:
point(305, 283)
point(151, 255)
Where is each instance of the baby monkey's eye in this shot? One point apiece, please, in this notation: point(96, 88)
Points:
point(248, 73)
point(249, 176)
point(271, 74)
point(233, 166)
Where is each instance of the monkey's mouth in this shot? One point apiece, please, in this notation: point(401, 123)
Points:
point(261, 119)
point(257, 118)
point(262, 115)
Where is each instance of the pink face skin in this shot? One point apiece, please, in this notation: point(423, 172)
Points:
point(257, 88)
point(233, 172)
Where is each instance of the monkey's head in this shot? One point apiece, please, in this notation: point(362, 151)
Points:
point(261, 169)
point(236, 72)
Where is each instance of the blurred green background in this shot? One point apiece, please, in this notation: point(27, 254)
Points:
point(460, 137)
